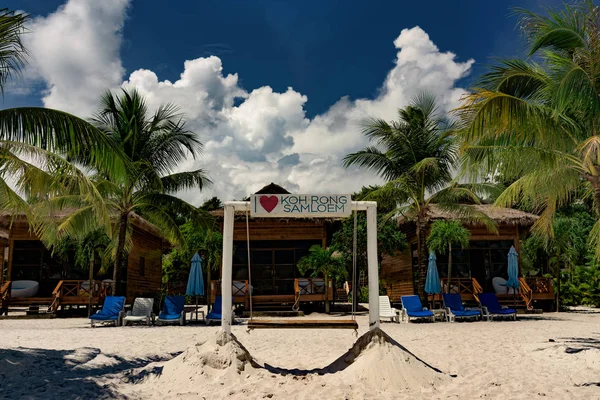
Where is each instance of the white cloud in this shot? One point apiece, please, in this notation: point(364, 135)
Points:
point(252, 137)
point(76, 52)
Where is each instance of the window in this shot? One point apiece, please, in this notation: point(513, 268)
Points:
point(142, 268)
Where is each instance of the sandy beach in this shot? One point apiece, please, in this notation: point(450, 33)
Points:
point(556, 356)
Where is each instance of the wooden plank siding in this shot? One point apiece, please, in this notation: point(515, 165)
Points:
point(145, 244)
point(397, 272)
point(397, 275)
point(277, 229)
point(144, 278)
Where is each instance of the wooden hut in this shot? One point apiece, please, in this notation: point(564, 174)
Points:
point(474, 267)
point(276, 245)
point(60, 282)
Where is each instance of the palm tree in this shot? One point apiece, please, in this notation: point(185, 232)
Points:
point(155, 144)
point(441, 237)
point(417, 158)
point(323, 261)
point(214, 203)
point(537, 120)
point(40, 148)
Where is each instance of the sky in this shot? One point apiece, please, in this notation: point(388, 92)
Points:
point(276, 90)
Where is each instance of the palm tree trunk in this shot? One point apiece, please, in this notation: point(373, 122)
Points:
point(120, 250)
point(91, 287)
point(449, 266)
point(422, 257)
point(209, 291)
point(326, 294)
point(557, 281)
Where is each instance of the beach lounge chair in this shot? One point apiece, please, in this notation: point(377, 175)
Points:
point(140, 312)
point(216, 312)
point(455, 308)
point(491, 307)
point(412, 308)
point(387, 311)
point(173, 310)
point(112, 311)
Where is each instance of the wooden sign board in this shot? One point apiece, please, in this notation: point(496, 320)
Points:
point(300, 205)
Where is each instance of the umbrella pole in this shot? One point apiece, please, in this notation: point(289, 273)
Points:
point(196, 307)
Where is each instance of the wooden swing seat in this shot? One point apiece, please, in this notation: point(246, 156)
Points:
point(302, 323)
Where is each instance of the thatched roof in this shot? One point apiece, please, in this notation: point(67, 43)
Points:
point(272, 188)
point(137, 221)
point(500, 215)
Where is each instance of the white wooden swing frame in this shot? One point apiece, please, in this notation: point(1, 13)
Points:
point(231, 207)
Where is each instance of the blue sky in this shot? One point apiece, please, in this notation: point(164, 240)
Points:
point(324, 50)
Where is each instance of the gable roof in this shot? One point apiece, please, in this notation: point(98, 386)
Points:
point(500, 215)
point(272, 188)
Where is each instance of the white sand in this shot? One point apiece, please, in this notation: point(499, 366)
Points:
point(64, 358)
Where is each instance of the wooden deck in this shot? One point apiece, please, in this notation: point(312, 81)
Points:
point(66, 293)
point(531, 289)
point(305, 290)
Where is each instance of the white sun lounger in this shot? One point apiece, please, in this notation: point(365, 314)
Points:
point(141, 311)
point(387, 311)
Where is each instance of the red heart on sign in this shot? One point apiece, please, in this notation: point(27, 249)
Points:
point(269, 202)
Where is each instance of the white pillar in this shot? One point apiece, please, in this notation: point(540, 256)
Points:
point(372, 265)
point(226, 274)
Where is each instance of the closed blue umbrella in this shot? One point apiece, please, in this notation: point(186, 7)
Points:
point(513, 272)
point(513, 269)
point(195, 285)
point(432, 281)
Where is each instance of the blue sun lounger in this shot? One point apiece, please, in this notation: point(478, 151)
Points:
point(455, 308)
point(412, 308)
point(173, 310)
point(491, 307)
point(216, 312)
point(112, 311)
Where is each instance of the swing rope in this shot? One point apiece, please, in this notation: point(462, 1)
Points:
point(354, 246)
point(249, 269)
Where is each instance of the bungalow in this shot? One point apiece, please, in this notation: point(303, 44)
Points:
point(475, 267)
point(32, 276)
point(276, 246)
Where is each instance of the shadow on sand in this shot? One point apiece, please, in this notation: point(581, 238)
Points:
point(347, 358)
point(30, 373)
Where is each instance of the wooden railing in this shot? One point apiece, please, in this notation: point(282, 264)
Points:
point(463, 286)
point(526, 293)
point(540, 285)
point(5, 296)
point(78, 289)
point(304, 286)
point(310, 289)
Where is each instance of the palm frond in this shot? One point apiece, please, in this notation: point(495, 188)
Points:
point(12, 51)
point(185, 180)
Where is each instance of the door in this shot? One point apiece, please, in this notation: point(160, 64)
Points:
point(480, 266)
point(262, 272)
point(283, 271)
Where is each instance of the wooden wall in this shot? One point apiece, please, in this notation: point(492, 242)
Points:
point(397, 275)
point(281, 229)
point(144, 279)
point(145, 245)
point(396, 271)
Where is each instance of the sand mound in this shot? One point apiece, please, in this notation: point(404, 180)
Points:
point(221, 359)
point(380, 362)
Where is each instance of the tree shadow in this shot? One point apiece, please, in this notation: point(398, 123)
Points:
point(66, 374)
point(583, 342)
